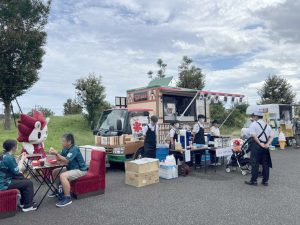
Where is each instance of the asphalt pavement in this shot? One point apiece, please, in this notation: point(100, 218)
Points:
point(212, 198)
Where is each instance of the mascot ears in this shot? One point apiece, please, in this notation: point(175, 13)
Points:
point(27, 124)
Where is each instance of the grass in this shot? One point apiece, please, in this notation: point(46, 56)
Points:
point(57, 126)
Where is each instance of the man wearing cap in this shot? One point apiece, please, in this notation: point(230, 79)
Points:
point(198, 137)
point(150, 133)
point(262, 135)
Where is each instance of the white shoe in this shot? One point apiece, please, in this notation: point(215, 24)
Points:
point(32, 208)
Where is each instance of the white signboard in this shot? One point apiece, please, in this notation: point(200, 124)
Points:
point(137, 124)
point(220, 152)
point(187, 155)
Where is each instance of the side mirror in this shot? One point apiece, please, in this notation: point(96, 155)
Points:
point(119, 125)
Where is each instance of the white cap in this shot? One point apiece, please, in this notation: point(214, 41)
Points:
point(257, 113)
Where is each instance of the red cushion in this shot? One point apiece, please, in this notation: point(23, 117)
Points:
point(8, 200)
point(94, 179)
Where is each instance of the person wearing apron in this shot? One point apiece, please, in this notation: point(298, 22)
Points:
point(262, 135)
point(198, 133)
point(150, 133)
point(174, 134)
point(215, 133)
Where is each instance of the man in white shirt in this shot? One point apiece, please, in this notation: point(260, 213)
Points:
point(174, 131)
point(262, 135)
point(215, 133)
point(198, 137)
point(150, 133)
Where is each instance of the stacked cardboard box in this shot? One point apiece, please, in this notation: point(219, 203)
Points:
point(142, 172)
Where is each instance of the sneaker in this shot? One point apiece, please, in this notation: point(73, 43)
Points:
point(53, 195)
point(22, 206)
point(32, 208)
point(64, 202)
point(265, 183)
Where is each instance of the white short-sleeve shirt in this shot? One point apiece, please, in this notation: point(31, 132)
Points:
point(173, 131)
point(152, 127)
point(196, 127)
point(215, 131)
point(256, 130)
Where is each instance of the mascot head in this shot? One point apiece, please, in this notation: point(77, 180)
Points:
point(33, 129)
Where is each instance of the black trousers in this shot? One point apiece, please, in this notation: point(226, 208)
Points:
point(198, 157)
point(213, 158)
point(25, 186)
point(259, 156)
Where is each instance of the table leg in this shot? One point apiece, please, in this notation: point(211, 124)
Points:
point(49, 184)
point(31, 172)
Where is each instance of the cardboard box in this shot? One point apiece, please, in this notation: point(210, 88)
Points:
point(142, 165)
point(141, 179)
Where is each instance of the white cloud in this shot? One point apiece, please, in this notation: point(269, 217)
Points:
point(122, 39)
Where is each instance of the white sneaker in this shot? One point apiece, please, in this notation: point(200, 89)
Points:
point(32, 208)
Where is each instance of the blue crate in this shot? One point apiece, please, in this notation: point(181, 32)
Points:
point(206, 156)
point(162, 152)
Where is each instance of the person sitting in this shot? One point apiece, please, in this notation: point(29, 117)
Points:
point(215, 133)
point(12, 178)
point(75, 168)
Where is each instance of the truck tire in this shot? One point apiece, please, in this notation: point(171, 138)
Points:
point(139, 154)
point(289, 142)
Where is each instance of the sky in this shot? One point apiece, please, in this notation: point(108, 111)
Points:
point(236, 43)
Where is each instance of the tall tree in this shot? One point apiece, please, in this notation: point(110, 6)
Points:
point(91, 95)
point(190, 76)
point(161, 72)
point(72, 107)
point(22, 37)
point(276, 89)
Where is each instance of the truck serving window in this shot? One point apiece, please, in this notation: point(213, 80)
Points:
point(174, 106)
point(109, 119)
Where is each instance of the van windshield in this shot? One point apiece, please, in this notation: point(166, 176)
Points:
point(109, 119)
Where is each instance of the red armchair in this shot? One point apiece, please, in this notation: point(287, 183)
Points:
point(93, 183)
point(8, 203)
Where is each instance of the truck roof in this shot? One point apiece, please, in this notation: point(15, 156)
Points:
point(133, 109)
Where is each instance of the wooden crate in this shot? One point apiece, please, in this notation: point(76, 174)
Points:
point(141, 179)
point(142, 165)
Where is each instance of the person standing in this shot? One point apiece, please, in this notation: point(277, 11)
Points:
point(198, 137)
point(215, 133)
point(12, 178)
point(262, 135)
point(174, 131)
point(150, 133)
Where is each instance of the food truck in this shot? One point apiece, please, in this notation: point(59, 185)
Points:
point(120, 129)
point(276, 115)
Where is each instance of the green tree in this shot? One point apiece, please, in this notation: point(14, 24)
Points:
point(277, 90)
point(47, 112)
point(190, 76)
point(72, 107)
point(91, 95)
point(22, 37)
point(161, 72)
point(236, 119)
point(217, 112)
